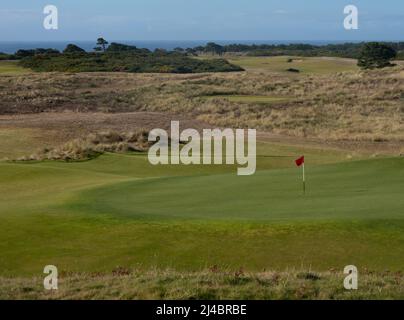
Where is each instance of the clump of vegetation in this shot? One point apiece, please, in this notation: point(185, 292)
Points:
point(5, 56)
point(293, 70)
point(101, 44)
point(119, 47)
point(94, 145)
point(72, 48)
point(376, 55)
point(20, 54)
point(119, 58)
point(130, 61)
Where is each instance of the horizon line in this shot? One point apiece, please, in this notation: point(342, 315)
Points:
point(213, 40)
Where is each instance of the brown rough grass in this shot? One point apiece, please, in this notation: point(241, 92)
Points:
point(95, 144)
point(361, 106)
point(210, 284)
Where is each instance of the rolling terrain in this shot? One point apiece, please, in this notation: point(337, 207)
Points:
point(117, 214)
point(118, 210)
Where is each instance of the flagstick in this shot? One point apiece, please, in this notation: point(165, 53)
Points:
point(304, 181)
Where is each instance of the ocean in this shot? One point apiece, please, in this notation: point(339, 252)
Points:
point(13, 46)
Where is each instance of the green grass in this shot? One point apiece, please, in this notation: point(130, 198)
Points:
point(305, 65)
point(249, 99)
point(118, 210)
point(11, 68)
point(266, 196)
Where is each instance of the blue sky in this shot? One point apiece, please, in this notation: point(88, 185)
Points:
point(202, 20)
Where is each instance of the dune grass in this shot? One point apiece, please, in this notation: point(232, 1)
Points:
point(128, 284)
point(331, 107)
point(249, 99)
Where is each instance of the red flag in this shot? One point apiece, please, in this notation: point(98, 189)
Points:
point(300, 161)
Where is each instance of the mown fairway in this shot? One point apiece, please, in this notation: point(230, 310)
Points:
point(11, 68)
point(118, 210)
point(318, 65)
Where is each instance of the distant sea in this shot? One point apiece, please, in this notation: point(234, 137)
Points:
point(13, 46)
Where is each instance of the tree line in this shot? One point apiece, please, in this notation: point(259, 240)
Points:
point(368, 54)
point(117, 57)
point(344, 50)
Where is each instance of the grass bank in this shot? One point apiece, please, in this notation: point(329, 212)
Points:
point(210, 284)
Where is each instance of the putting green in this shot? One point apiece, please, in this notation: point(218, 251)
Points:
point(350, 191)
point(118, 210)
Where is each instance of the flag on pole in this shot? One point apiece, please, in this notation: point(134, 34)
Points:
point(300, 163)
